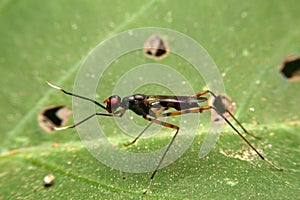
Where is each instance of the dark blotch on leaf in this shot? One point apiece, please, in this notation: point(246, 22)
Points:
point(53, 116)
point(156, 47)
point(222, 103)
point(290, 68)
point(217, 103)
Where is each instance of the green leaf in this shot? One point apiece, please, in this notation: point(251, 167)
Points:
point(47, 40)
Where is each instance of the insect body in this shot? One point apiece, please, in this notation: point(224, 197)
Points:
point(154, 107)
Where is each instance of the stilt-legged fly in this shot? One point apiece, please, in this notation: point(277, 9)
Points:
point(153, 107)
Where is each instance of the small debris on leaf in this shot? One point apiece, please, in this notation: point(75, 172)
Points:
point(49, 180)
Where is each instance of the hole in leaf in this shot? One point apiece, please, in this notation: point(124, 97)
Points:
point(221, 103)
point(290, 68)
point(156, 47)
point(53, 116)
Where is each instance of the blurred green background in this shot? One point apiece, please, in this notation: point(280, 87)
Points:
point(47, 40)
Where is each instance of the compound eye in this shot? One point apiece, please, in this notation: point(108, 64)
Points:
point(114, 101)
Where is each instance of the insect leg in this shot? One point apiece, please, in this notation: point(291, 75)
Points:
point(141, 133)
point(167, 149)
point(200, 109)
point(185, 111)
point(215, 96)
point(235, 119)
point(76, 95)
point(202, 93)
point(220, 104)
point(259, 154)
point(191, 110)
point(84, 120)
